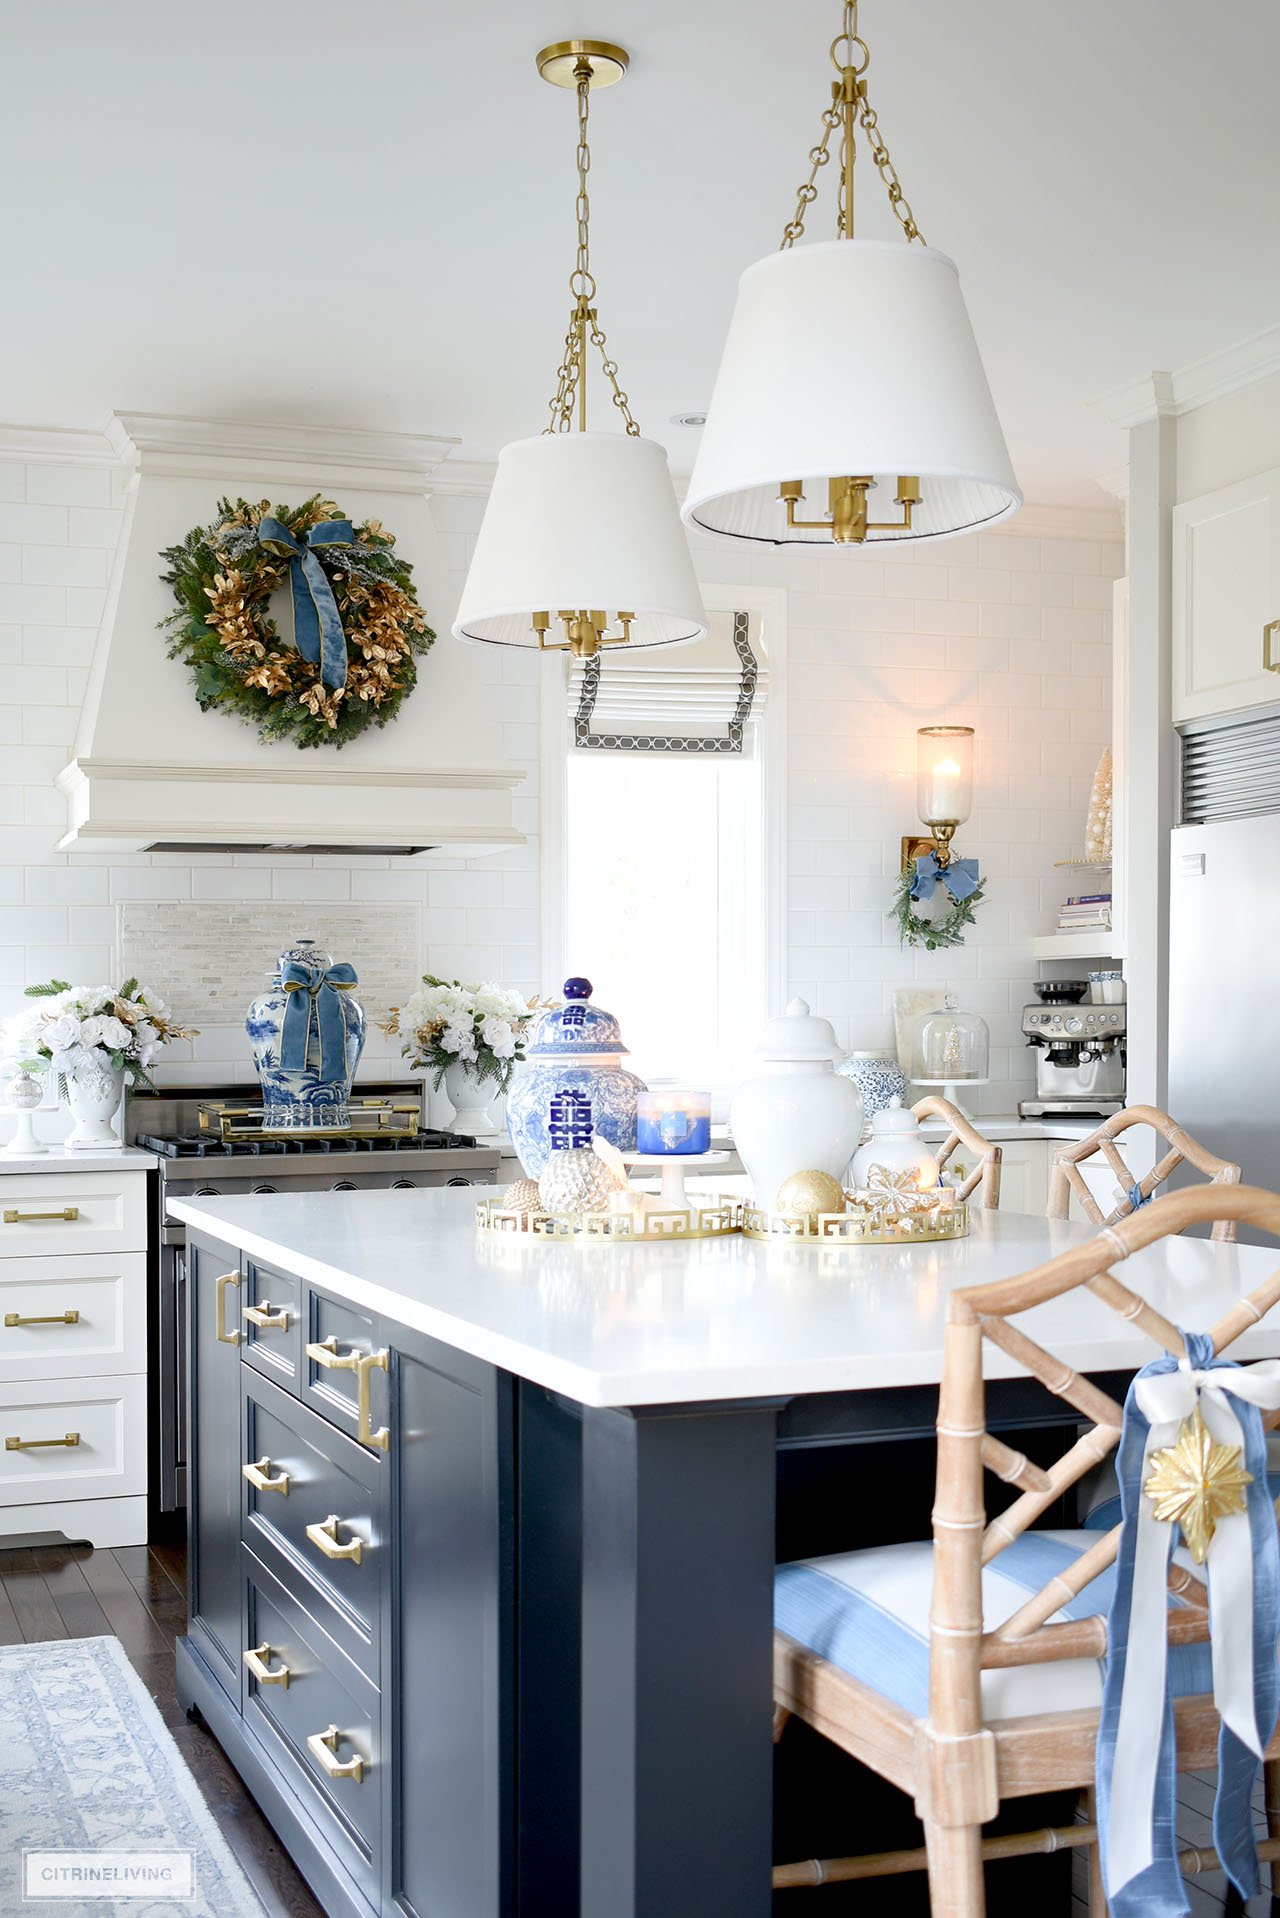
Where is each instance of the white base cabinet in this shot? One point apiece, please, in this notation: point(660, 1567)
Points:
point(73, 1355)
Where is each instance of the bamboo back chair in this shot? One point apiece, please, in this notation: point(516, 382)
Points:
point(984, 1176)
point(957, 1762)
point(1066, 1177)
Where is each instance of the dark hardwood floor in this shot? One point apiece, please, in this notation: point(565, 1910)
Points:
point(138, 1593)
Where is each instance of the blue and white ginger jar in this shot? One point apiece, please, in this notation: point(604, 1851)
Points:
point(572, 1084)
point(880, 1080)
point(307, 1034)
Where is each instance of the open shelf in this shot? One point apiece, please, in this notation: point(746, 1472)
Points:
point(1099, 944)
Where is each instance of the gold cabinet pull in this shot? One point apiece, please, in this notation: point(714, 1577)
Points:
point(325, 1354)
point(1270, 653)
point(256, 1659)
point(262, 1315)
point(71, 1317)
point(67, 1214)
point(220, 1311)
point(324, 1537)
point(259, 1476)
point(323, 1747)
point(366, 1364)
point(33, 1445)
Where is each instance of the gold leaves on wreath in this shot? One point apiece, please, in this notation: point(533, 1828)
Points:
point(1195, 1482)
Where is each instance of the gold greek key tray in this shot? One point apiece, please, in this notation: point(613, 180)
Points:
point(923, 1226)
point(710, 1218)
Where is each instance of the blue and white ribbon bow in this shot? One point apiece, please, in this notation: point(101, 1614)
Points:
point(1136, 1778)
point(314, 1003)
point(317, 627)
point(959, 876)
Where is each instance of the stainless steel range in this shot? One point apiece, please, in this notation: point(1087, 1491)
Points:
point(210, 1142)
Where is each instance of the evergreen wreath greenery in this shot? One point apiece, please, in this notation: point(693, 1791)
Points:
point(946, 930)
point(222, 579)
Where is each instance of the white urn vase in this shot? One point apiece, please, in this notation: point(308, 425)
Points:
point(796, 1113)
point(469, 1099)
point(93, 1095)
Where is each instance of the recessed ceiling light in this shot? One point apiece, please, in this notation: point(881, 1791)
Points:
point(688, 419)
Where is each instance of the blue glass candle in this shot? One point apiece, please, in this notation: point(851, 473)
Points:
point(673, 1123)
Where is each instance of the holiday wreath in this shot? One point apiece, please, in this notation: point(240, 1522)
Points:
point(358, 628)
point(918, 881)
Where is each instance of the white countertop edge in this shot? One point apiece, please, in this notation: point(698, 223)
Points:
point(61, 1158)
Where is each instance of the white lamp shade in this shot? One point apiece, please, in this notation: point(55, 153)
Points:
point(581, 521)
point(850, 357)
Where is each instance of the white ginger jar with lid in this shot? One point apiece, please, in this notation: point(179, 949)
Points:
point(796, 1113)
point(896, 1144)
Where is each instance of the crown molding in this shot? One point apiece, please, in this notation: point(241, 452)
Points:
point(1158, 395)
point(175, 441)
point(466, 479)
point(56, 445)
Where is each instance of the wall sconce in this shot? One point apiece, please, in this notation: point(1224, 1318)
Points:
point(944, 790)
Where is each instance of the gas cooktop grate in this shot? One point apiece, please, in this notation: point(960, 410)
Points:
point(207, 1145)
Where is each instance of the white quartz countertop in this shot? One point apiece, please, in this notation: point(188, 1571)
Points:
point(60, 1158)
point(712, 1318)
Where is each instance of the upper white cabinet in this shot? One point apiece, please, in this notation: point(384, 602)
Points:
point(1226, 599)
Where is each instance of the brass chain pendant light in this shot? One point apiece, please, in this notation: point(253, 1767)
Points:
point(581, 527)
point(889, 388)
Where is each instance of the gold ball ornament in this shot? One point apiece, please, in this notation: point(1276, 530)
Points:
point(807, 1194)
point(577, 1180)
point(522, 1196)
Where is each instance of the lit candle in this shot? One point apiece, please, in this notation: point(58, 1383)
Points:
point(944, 790)
point(673, 1122)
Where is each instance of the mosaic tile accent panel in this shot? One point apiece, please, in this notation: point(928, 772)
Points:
point(209, 958)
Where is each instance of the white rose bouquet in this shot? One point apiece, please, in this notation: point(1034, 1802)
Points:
point(445, 1023)
point(71, 1028)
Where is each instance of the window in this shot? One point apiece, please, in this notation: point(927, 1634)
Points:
point(663, 865)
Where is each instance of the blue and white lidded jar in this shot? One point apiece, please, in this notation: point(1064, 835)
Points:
point(572, 1085)
point(307, 1034)
point(879, 1078)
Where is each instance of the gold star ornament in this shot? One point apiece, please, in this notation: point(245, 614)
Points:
point(1195, 1482)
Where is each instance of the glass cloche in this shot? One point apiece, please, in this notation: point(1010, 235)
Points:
point(949, 1047)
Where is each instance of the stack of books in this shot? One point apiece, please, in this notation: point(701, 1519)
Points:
point(1089, 912)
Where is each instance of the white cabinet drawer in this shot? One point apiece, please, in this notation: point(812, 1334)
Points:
point(72, 1212)
point(105, 1292)
point(107, 1418)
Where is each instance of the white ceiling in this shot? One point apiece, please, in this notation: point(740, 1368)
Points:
point(361, 214)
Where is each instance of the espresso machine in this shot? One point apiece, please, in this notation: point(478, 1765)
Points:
point(1080, 1052)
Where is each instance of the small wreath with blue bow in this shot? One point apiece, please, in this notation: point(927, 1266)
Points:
point(358, 630)
point(919, 880)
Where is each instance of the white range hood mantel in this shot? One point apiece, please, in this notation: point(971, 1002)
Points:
point(153, 772)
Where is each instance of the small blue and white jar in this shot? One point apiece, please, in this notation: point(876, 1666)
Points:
point(572, 1085)
point(880, 1080)
point(307, 1034)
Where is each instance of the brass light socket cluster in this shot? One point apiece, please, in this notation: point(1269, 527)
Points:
point(584, 632)
point(847, 520)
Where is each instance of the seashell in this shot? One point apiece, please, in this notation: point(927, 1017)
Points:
point(577, 1180)
point(522, 1196)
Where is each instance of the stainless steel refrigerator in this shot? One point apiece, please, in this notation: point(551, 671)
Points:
point(1224, 990)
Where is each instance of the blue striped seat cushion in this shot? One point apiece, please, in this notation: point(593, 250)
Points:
point(868, 1613)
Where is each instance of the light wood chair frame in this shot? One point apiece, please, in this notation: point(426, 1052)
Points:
point(985, 1176)
point(957, 1764)
point(1066, 1177)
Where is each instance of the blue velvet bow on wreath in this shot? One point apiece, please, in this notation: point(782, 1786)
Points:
point(317, 625)
point(959, 876)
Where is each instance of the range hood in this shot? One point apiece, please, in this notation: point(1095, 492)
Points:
point(152, 773)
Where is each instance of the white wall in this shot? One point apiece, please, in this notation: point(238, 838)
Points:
point(1008, 632)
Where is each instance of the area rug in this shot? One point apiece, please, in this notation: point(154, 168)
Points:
point(88, 1767)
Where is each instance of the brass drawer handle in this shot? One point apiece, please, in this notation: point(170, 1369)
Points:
point(220, 1311)
point(324, 1537)
point(323, 1747)
point(325, 1354)
point(256, 1659)
point(67, 1215)
point(262, 1315)
point(1270, 650)
point(32, 1445)
point(367, 1363)
point(259, 1476)
point(52, 1318)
